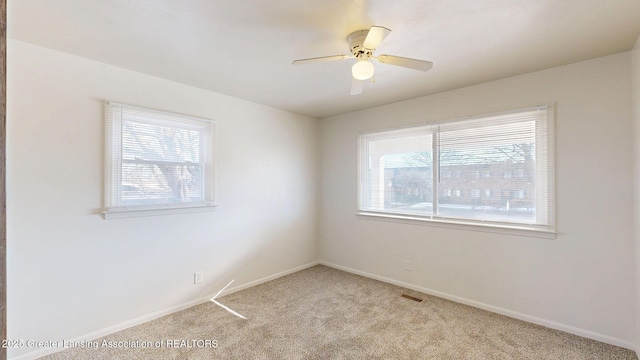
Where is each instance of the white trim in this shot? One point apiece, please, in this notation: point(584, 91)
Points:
point(544, 227)
point(495, 309)
point(267, 278)
point(206, 128)
point(551, 159)
point(159, 114)
point(111, 329)
point(511, 229)
point(121, 213)
point(158, 314)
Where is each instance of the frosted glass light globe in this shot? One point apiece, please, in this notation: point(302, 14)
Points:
point(362, 70)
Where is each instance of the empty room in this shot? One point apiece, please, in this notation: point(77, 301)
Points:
point(320, 179)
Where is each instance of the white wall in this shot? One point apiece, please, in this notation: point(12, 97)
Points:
point(582, 281)
point(636, 143)
point(72, 273)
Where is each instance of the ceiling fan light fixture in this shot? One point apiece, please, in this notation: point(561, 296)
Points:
point(362, 69)
point(362, 46)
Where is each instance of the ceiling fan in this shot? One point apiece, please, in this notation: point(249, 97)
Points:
point(362, 44)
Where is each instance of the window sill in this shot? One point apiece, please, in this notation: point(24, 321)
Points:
point(470, 226)
point(138, 211)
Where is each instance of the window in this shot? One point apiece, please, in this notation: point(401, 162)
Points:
point(496, 146)
point(157, 162)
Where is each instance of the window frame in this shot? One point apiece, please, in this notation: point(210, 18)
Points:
point(113, 207)
point(536, 230)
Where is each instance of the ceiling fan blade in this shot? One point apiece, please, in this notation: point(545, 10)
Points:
point(320, 59)
point(375, 36)
point(405, 62)
point(356, 86)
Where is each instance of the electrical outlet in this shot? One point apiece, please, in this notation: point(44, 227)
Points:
point(407, 265)
point(197, 277)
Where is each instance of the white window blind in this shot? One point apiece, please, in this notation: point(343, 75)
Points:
point(494, 170)
point(157, 160)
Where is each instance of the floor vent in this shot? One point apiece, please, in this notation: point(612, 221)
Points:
point(411, 297)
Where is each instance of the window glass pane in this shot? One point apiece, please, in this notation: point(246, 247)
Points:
point(401, 174)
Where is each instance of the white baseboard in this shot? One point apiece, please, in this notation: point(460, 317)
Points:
point(233, 289)
point(498, 310)
point(111, 329)
point(158, 314)
point(513, 314)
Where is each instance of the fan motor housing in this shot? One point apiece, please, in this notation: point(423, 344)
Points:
point(355, 41)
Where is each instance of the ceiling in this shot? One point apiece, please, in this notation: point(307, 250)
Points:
point(245, 48)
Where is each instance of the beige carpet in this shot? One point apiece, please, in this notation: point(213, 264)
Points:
point(323, 313)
